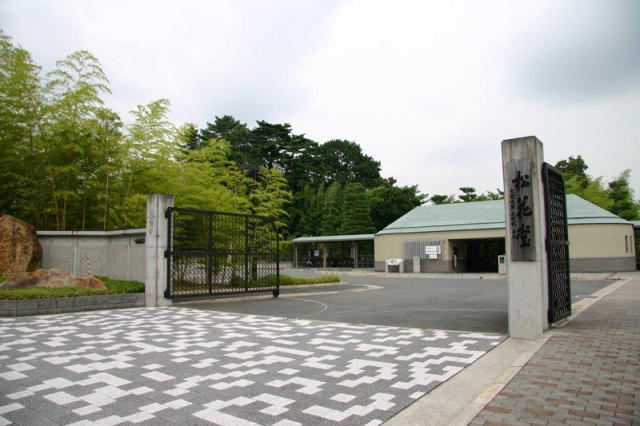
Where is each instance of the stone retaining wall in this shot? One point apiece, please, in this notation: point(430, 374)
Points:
point(63, 305)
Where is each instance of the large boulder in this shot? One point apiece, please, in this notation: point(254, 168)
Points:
point(51, 278)
point(20, 250)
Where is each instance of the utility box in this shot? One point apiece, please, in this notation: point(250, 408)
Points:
point(394, 265)
point(416, 264)
point(502, 265)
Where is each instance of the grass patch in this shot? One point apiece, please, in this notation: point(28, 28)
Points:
point(113, 287)
point(287, 280)
point(3, 280)
point(270, 280)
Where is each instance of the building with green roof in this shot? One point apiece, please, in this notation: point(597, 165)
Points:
point(469, 237)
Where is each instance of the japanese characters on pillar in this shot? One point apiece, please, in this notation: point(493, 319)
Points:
point(521, 207)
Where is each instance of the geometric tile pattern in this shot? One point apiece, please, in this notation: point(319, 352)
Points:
point(166, 366)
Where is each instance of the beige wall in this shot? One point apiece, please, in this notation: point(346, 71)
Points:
point(392, 245)
point(591, 241)
point(587, 241)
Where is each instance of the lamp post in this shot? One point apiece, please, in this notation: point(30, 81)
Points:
point(247, 166)
point(251, 260)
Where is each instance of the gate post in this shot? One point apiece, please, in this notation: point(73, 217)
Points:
point(522, 161)
point(157, 240)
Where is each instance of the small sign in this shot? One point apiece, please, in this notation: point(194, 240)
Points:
point(433, 250)
point(316, 253)
point(433, 256)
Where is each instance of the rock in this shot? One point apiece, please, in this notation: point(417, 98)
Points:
point(51, 278)
point(20, 250)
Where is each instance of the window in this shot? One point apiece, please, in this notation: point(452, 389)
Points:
point(626, 243)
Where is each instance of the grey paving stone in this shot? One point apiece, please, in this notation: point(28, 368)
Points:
point(236, 363)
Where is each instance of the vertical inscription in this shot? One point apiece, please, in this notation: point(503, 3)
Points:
point(521, 207)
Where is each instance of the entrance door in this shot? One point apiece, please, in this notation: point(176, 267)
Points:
point(482, 255)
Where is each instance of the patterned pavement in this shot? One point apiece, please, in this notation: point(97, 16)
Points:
point(164, 366)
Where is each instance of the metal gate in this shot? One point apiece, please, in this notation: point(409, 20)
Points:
point(212, 253)
point(557, 244)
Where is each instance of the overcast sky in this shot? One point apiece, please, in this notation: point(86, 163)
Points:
point(429, 88)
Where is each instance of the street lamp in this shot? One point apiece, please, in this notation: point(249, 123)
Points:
point(247, 166)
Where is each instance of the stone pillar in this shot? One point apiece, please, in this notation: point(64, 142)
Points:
point(156, 242)
point(522, 161)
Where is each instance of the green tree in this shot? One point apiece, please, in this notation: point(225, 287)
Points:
point(441, 199)
point(102, 183)
point(489, 196)
point(273, 196)
point(210, 181)
point(21, 102)
point(616, 197)
point(621, 196)
point(74, 90)
point(356, 212)
point(594, 192)
point(152, 144)
point(469, 194)
point(343, 162)
point(331, 211)
point(575, 168)
point(306, 211)
point(390, 202)
point(275, 146)
point(236, 133)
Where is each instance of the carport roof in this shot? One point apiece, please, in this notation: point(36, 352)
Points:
point(487, 215)
point(335, 238)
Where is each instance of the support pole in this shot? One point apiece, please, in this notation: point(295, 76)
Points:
point(324, 255)
point(355, 257)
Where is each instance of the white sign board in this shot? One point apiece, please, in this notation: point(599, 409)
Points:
point(433, 256)
point(433, 250)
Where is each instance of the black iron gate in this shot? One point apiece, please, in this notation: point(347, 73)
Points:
point(212, 253)
point(557, 244)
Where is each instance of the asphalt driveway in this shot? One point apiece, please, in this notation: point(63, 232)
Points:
point(462, 303)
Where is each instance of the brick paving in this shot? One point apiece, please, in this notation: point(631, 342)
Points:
point(587, 372)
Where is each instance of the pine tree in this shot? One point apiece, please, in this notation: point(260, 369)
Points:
point(356, 211)
point(331, 211)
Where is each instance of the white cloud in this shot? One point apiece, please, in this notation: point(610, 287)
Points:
point(429, 88)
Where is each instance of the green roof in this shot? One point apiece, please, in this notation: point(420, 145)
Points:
point(487, 215)
point(636, 224)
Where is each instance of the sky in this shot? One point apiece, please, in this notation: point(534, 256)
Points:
point(428, 88)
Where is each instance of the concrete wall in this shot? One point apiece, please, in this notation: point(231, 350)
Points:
point(114, 254)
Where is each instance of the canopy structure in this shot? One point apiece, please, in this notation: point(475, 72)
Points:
point(331, 239)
